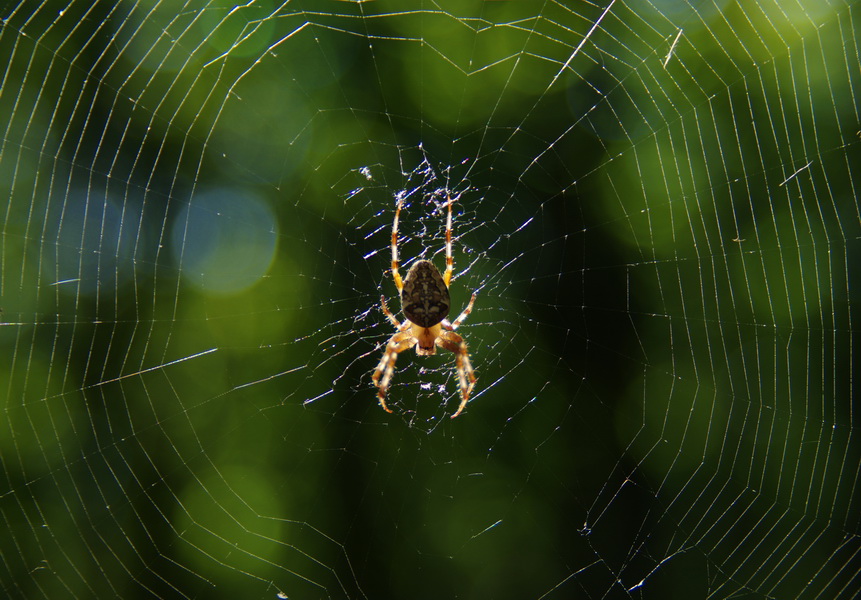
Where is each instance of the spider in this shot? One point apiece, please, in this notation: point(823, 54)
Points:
point(425, 303)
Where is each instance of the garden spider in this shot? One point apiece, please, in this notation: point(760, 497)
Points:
point(425, 302)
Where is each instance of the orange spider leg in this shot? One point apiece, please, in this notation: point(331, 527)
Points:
point(395, 264)
point(454, 343)
point(392, 319)
point(449, 260)
point(399, 342)
point(463, 315)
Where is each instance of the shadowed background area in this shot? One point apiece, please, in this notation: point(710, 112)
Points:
point(656, 206)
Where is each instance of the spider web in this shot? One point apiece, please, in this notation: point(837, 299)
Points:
point(656, 206)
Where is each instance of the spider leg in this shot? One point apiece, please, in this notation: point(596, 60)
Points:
point(466, 376)
point(463, 315)
point(449, 260)
point(399, 342)
point(395, 264)
point(390, 316)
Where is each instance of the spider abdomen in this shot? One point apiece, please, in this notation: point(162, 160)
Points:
point(424, 298)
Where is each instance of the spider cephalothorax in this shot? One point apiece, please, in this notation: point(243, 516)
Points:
point(425, 302)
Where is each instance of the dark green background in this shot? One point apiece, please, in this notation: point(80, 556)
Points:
point(664, 242)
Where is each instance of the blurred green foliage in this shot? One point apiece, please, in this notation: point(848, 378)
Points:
point(657, 214)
